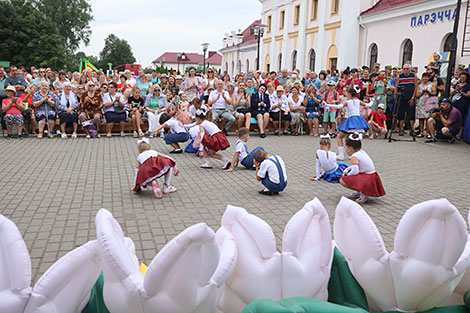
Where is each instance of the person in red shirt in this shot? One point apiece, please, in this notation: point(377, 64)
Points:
point(272, 79)
point(377, 121)
point(354, 80)
point(123, 85)
point(12, 107)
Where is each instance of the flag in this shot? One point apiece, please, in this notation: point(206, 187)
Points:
point(86, 65)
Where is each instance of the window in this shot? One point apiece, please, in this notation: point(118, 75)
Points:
point(407, 52)
point(334, 64)
point(334, 7)
point(269, 23)
point(226, 66)
point(314, 14)
point(281, 21)
point(247, 65)
point(233, 68)
point(279, 61)
point(296, 14)
point(311, 60)
point(239, 66)
point(447, 43)
point(373, 55)
point(294, 59)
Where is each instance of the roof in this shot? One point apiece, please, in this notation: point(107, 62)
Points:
point(248, 36)
point(384, 5)
point(191, 58)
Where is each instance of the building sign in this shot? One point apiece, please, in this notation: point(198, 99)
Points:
point(431, 18)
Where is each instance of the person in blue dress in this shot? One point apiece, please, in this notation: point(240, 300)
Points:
point(355, 123)
point(326, 160)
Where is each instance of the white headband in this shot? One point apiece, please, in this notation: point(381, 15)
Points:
point(327, 136)
point(357, 89)
point(145, 139)
point(200, 112)
point(359, 138)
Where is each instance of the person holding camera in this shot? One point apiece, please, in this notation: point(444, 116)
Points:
point(446, 120)
point(113, 107)
point(405, 94)
point(460, 95)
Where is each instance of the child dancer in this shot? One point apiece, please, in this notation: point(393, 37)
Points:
point(151, 165)
point(361, 175)
point(177, 132)
point(212, 140)
point(355, 122)
point(271, 172)
point(182, 112)
point(241, 151)
point(326, 160)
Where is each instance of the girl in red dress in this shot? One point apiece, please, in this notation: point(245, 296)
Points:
point(361, 175)
point(151, 165)
point(212, 140)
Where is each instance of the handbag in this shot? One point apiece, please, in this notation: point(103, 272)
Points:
point(117, 108)
point(431, 104)
point(93, 131)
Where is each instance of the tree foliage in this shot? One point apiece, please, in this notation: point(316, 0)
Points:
point(28, 37)
point(72, 19)
point(116, 51)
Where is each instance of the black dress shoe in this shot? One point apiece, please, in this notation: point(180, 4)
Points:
point(225, 132)
point(265, 192)
point(227, 166)
point(263, 135)
point(176, 151)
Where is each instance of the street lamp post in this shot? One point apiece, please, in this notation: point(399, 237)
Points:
point(258, 31)
point(205, 46)
point(453, 49)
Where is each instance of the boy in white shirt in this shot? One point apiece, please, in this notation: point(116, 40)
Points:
point(271, 172)
point(241, 151)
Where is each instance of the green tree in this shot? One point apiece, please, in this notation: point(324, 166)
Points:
point(29, 38)
point(116, 51)
point(72, 19)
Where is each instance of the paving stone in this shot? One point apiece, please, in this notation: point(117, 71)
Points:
point(68, 181)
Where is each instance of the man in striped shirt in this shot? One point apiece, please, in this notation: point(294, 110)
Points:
point(407, 85)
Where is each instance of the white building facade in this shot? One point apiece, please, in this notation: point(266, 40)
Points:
point(239, 51)
point(333, 34)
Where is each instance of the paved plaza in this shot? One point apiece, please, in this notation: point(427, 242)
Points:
point(52, 189)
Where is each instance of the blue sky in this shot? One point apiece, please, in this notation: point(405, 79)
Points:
point(154, 27)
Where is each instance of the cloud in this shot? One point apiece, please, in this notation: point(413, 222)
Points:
point(155, 27)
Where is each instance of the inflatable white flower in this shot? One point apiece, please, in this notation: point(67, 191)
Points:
point(426, 265)
point(302, 269)
point(64, 288)
point(184, 277)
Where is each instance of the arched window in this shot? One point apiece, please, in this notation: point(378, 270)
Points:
point(374, 54)
point(294, 59)
point(279, 61)
point(226, 66)
point(267, 63)
point(311, 60)
point(407, 52)
point(332, 58)
point(233, 68)
point(447, 43)
point(247, 65)
point(239, 69)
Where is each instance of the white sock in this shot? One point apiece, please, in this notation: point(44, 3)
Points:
point(266, 189)
point(208, 161)
point(225, 160)
point(341, 152)
point(168, 177)
point(135, 178)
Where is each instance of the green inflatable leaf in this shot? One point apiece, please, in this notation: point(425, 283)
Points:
point(343, 288)
point(306, 305)
point(96, 302)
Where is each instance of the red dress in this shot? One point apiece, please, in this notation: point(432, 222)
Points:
point(369, 184)
point(215, 142)
point(152, 166)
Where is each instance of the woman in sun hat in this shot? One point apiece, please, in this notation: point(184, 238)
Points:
point(12, 107)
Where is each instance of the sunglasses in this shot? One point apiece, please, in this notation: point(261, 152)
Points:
point(157, 90)
point(210, 72)
point(91, 85)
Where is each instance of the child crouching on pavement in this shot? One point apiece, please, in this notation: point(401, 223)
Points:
point(271, 172)
point(241, 151)
point(150, 166)
point(326, 160)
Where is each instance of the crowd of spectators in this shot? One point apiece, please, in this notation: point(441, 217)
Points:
point(284, 101)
